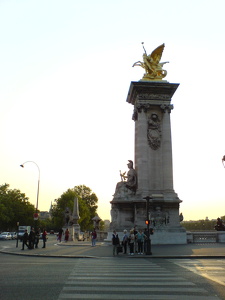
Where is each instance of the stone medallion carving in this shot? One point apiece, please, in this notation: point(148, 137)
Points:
point(154, 131)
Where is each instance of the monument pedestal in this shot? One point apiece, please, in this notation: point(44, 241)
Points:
point(74, 231)
point(153, 165)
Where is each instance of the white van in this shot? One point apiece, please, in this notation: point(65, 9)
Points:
point(22, 231)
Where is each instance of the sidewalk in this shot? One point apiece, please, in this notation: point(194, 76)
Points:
point(104, 249)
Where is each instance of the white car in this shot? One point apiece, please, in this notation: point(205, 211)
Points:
point(5, 236)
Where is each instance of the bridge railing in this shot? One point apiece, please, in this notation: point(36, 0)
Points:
point(206, 237)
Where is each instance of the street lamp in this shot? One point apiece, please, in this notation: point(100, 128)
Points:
point(22, 166)
point(148, 242)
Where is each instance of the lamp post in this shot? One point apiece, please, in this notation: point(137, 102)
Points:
point(22, 166)
point(148, 243)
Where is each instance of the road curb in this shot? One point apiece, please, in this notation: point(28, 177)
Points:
point(120, 256)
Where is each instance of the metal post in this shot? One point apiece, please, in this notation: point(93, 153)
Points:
point(17, 236)
point(148, 243)
point(36, 210)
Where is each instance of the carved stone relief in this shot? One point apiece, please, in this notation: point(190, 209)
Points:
point(154, 131)
point(159, 219)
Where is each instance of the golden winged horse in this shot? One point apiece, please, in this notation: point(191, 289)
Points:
point(151, 64)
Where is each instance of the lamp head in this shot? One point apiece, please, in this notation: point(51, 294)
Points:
point(22, 166)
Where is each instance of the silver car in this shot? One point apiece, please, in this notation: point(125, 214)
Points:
point(5, 236)
point(13, 235)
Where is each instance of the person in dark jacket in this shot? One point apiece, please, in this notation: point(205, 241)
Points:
point(115, 242)
point(31, 239)
point(25, 239)
point(37, 237)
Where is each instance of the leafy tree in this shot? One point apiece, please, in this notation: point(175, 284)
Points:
point(87, 206)
point(200, 225)
point(14, 207)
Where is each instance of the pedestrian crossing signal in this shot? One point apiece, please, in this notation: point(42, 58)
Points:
point(147, 222)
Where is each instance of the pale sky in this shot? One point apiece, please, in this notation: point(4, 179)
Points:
point(65, 71)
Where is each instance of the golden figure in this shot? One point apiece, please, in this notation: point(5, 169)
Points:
point(151, 64)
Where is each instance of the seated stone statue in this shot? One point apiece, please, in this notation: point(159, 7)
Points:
point(131, 183)
point(128, 185)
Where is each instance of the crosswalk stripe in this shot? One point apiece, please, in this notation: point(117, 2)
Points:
point(135, 297)
point(141, 280)
point(149, 283)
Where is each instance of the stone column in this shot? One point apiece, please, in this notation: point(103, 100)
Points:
point(141, 152)
point(167, 162)
point(153, 146)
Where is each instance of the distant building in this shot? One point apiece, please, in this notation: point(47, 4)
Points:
point(44, 215)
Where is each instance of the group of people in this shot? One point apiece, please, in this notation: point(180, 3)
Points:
point(31, 240)
point(60, 234)
point(135, 240)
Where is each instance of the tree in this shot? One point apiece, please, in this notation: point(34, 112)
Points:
point(14, 207)
point(87, 206)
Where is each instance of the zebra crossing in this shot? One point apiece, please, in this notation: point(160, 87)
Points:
point(113, 278)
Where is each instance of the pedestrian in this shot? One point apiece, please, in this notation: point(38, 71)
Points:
point(115, 242)
point(125, 241)
point(37, 237)
point(60, 235)
point(44, 238)
point(25, 239)
point(135, 240)
point(31, 239)
point(93, 238)
point(67, 233)
point(140, 236)
point(131, 241)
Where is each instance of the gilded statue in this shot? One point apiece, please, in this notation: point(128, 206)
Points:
point(151, 64)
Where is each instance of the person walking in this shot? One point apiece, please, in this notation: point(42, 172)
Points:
point(31, 239)
point(131, 241)
point(125, 241)
point(115, 242)
point(67, 233)
point(44, 238)
point(93, 238)
point(60, 235)
point(25, 239)
point(140, 236)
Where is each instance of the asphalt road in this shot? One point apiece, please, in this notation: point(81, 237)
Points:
point(31, 278)
point(89, 275)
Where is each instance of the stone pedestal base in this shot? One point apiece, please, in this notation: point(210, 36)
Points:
point(169, 237)
point(129, 211)
point(160, 237)
point(74, 231)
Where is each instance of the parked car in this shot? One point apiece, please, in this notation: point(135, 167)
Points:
point(5, 236)
point(13, 235)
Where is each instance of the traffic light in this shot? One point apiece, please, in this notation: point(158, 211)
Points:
point(147, 222)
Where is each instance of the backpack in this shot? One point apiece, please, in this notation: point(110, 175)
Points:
point(115, 239)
